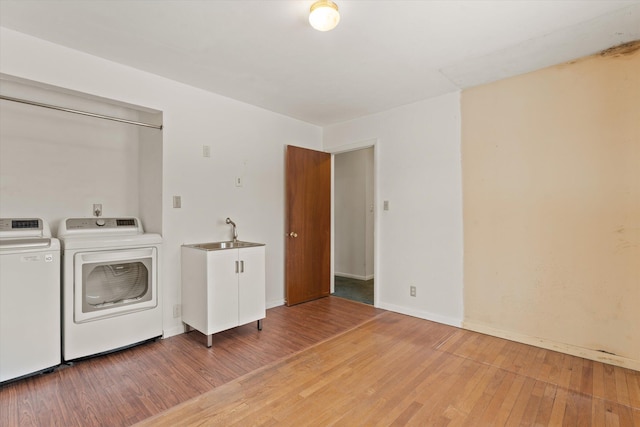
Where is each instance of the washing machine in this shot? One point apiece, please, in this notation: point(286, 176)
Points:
point(29, 298)
point(110, 285)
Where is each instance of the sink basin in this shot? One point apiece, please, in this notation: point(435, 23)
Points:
point(217, 246)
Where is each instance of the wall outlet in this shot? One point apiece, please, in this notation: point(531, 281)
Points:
point(385, 205)
point(206, 151)
point(177, 201)
point(238, 181)
point(97, 209)
point(177, 310)
point(412, 291)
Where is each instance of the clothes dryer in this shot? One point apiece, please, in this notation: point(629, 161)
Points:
point(110, 285)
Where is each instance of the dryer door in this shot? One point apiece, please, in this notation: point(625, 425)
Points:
point(112, 283)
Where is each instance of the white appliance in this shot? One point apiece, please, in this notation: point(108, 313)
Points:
point(110, 285)
point(29, 298)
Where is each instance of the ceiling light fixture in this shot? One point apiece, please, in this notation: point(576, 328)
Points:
point(323, 15)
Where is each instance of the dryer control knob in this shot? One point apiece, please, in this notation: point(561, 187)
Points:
point(100, 222)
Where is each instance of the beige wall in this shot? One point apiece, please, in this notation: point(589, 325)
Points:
point(551, 196)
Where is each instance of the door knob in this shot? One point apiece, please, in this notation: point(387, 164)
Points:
point(292, 234)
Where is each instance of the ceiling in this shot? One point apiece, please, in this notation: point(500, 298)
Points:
point(383, 54)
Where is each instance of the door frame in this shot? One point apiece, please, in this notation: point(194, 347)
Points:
point(368, 143)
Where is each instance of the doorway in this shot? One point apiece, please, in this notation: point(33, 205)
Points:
point(354, 225)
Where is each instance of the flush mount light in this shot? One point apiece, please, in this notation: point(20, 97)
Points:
point(324, 15)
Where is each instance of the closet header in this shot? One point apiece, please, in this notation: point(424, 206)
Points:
point(84, 113)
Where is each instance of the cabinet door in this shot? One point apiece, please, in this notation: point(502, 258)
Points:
point(222, 290)
point(251, 288)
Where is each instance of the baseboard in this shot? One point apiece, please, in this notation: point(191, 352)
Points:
point(426, 315)
point(353, 276)
point(275, 303)
point(176, 330)
point(573, 350)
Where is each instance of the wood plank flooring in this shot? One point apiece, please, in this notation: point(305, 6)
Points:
point(329, 362)
point(125, 387)
point(398, 370)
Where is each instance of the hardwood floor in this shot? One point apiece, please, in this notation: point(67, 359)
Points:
point(330, 362)
point(122, 388)
point(398, 370)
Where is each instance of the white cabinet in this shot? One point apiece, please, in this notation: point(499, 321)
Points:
point(222, 289)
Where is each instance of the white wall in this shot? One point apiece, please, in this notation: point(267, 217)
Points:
point(245, 141)
point(419, 173)
point(353, 196)
point(55, 164)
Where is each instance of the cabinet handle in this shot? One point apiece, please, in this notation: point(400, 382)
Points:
point(241, 266)
point(237, 267)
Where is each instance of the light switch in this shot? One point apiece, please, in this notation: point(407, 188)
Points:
point(385, 205)
point(177, 202)
point(238, 181)
point(206, 151)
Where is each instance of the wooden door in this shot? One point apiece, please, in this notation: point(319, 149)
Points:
point(308, 225)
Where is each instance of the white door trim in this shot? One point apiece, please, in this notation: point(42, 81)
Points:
point(368, 143)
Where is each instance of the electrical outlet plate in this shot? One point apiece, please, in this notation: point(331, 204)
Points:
point(206, 151)
point(176, 311)
point(412, 291)
point(238, 181)
point(177, 201)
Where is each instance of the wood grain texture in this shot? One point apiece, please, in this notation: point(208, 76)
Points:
point(399, 370)
point(122, 388)
point(329, 362)
point(308, 207)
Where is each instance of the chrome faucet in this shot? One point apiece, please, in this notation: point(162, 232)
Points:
point(235, 230)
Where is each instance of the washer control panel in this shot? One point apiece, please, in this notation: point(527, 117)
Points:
point(9, 224)
point(12, 228)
